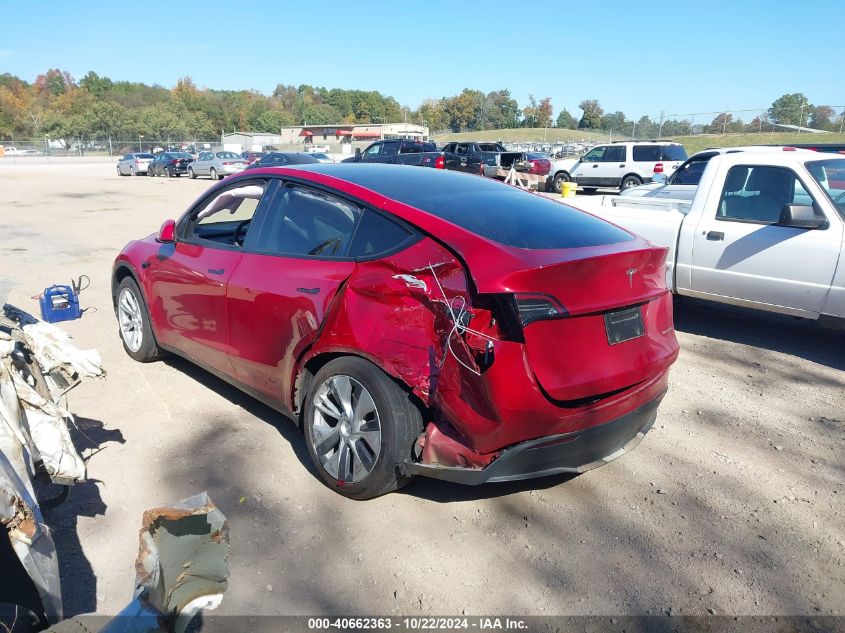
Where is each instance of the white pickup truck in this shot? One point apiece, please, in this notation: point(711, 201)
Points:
point(763, 230)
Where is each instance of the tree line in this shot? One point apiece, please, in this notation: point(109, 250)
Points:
point(57, 106)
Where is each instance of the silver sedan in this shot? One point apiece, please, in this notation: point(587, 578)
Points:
point(217, 164)
point(134, 164)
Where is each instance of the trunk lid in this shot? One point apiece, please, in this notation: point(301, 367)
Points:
point(613, 327)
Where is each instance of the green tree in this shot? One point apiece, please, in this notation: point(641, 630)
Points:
point(566, 120)
point(94, 84)
point(821, 118)
point(787, 109)
point(544, 112)
point(592, 113)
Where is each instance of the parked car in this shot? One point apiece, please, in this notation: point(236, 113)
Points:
point(170, 164)
point(617, 165)
point(280, 159)
point(399, 151)
point(322, 158)
point(251, 157)
point(134, 164)
point(415, 321)
point(479, 158)
point(764, 230)
point(216, 165)
point(681, 185)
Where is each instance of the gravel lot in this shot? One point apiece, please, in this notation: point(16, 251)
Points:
point(733, 504)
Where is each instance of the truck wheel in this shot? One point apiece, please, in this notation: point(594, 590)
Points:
point(630, 181)
point(360, 427)
point(134, 323)
point(558, 180)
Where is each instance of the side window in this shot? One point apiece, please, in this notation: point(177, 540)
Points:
point(757, 194)
point(461, 148)
point(225, 217)
point(389, 149)
point(449, 148)
point(615, 154)
point(647, 153)
point(304, 222)
point(595, 155)
point(373, 150)
point(377, 234)
point(127, 157)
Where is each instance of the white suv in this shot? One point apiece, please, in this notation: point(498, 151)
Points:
point(617, 165)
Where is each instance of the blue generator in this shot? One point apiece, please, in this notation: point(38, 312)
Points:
point(60, 303)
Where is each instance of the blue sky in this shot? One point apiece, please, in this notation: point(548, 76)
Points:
point(680, 57)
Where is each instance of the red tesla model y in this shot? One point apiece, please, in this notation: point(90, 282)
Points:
point(413, 321)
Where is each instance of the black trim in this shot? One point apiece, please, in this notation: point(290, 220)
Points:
point(565, 453)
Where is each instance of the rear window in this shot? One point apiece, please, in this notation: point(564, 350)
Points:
point(647, 153)
point(376, 235)
point(674, 152)
point(144, 156)
point(416, 148)
point(491, 147)
point(690, 172)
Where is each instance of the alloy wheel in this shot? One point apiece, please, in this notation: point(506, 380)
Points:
point(345, 430)
point(130, 319)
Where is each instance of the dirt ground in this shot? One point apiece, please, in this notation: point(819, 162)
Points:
point(733, 504)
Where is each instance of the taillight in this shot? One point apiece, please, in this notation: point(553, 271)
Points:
point(440, 163)
point(792, 149)
point(137, 162)
point(658, 168)
point(535, 307)
point(175, 161)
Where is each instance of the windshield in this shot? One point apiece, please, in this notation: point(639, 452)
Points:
point(830, 174)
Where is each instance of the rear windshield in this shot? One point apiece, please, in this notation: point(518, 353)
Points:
point(690, 172)
point(301, 159)
point(674, 152)
point(416, 148)
point(144, 156)
point(491, 147)
point(180, 155)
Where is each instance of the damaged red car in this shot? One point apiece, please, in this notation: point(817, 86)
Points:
point(413, 321)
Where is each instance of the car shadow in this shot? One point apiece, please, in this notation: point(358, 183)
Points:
point(284, 425)
point(775, 332)
point(441, 491)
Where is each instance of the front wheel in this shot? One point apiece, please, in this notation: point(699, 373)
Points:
point(558, 180)
point(134, 323)
point(360, 427)
point(191, 173)
point(213, 174)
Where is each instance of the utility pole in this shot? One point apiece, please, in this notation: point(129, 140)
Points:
point(841, 119)
point(801, 118)
point(660, 129)
point(725, 122)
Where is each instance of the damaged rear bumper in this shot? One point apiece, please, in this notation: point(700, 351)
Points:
point(575, 452)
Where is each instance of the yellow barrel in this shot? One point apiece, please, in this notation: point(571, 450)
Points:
point(568, 189)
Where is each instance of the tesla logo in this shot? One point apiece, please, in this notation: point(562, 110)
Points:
point(630, 272)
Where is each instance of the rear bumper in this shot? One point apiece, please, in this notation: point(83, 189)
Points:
point(575, 452)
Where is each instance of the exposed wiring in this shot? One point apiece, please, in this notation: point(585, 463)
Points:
point(460, 320)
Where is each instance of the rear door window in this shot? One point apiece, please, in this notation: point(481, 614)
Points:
point(389, 149)
point(647, 153)
point(377, 235)
point(303, 222)
point(614, 154)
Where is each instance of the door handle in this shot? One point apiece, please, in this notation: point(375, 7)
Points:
point(622, 165)
point(595, 166)
point(715, 236)
point(216, 271)
point(308, 291)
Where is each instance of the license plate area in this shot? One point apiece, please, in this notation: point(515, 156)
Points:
point(624, 325)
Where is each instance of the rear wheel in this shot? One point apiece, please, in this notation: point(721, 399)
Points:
point(132, 171)
point(134, 323)
point(630, 181)
point(360, 427)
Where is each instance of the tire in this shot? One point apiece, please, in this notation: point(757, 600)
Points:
point(191, 173)
point(557, 182)
point(397, 419)
point(119, 173)
point(169, 173)
point(630, 181)
point(132, 317)
point(132, 171)
point(213, 173)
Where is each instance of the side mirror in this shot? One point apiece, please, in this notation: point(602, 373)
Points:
point(167, 232)
point(801, 216)
point(659, 179)
point(357, 152)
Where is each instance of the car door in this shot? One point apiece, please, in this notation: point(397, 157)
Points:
point(372, 153)
point(389, 152)
point(280, 293)
point(187, 280)
point(121, 164)
point(613, 166)
point(740, 251)
point(204, 163)
point(586, 171)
